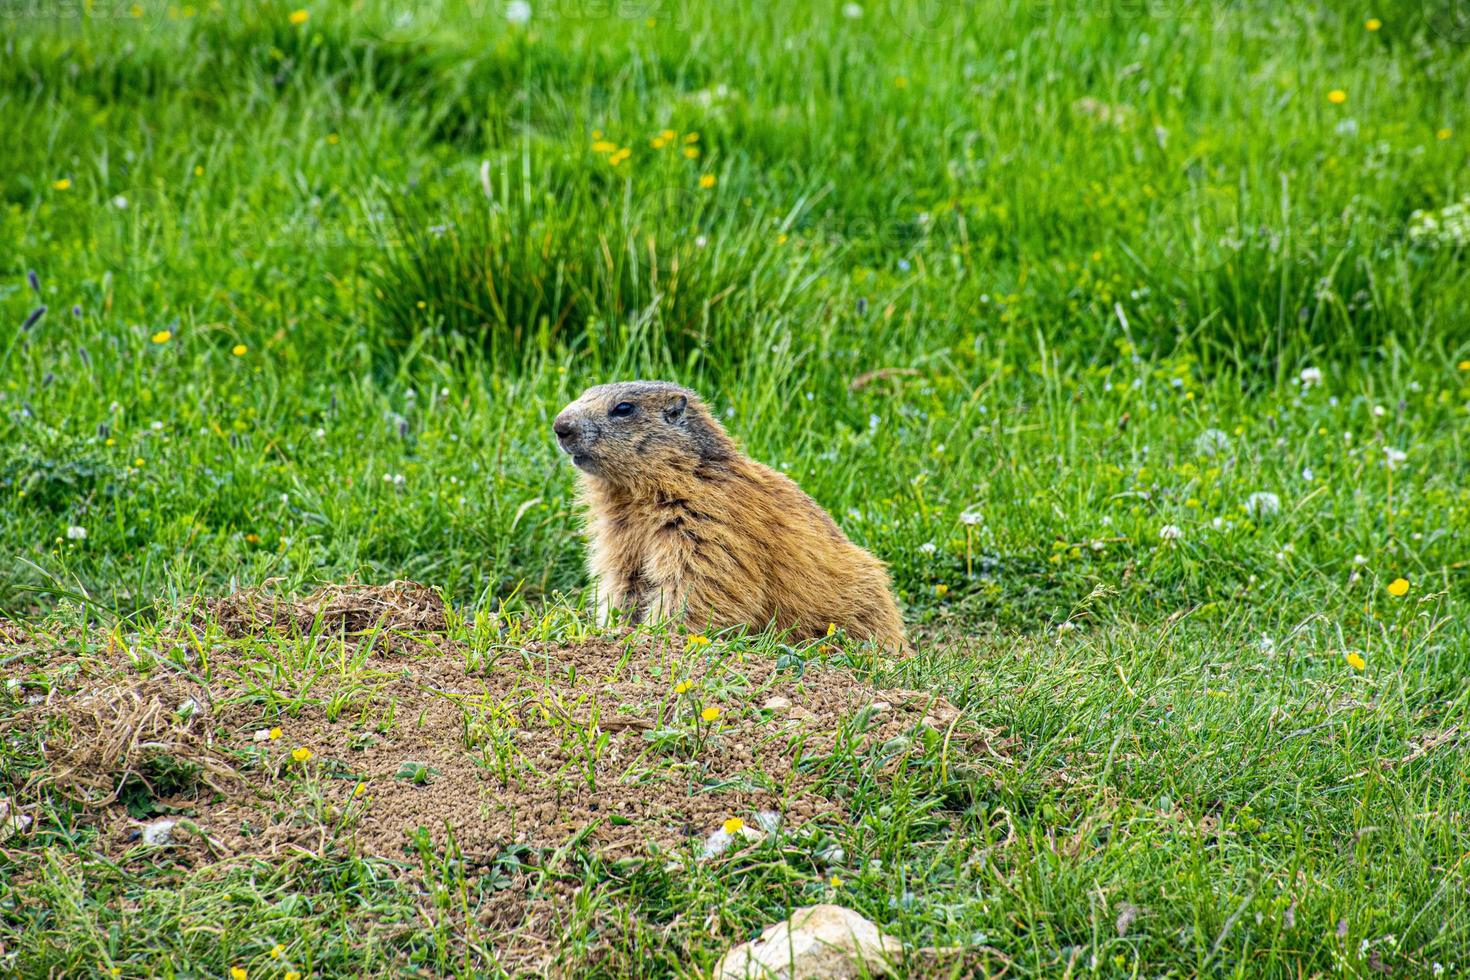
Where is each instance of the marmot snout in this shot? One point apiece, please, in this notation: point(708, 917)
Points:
point(683, 525)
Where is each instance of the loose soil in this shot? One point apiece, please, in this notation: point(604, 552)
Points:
point(547, 746)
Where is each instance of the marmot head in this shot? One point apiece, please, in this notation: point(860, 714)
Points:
point(629, 431)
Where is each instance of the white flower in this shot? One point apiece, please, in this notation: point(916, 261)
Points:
point(971, 515)
point(518, 12)
point(75, 533)
point(159, 832)
point(1263, 504)
point(1360, 559)
point(1379, 411)
point(1212, 442)
point(852, 11)
point(1307, 474)
point(928, 547)
point(1393, 457)
point(1170, 532)
point(120, 202)
point(1311, 376)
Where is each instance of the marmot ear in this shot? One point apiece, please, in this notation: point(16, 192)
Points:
point(675, 409)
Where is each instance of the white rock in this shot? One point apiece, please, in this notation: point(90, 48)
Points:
point(819, 942)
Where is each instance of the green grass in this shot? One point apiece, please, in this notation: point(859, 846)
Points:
point(1088, 235)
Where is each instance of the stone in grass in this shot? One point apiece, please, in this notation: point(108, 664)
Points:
point(768, 823)
point(819, 942)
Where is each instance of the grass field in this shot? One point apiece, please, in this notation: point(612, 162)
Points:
point(1132, 336)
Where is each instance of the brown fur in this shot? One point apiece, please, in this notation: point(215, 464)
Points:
point(684, 526)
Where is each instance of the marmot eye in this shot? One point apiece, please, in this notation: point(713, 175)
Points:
point(621, 409)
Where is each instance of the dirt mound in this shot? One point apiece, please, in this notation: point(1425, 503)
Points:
point(144, 733)
point(350, 608)
point(272, 734)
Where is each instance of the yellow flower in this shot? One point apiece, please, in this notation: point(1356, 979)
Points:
point(162, 337)
point(657, 142)
point(275, 733)
point(710, 713)
point(683, 687)
point(940, 590)
point(697, 642)
point(303, 754)
point(780, 239)
point(691, 138)
point(361, 789)
point(603, 146)
point(299, 17)
point(115, 971)
point(733, 825)
point(667, 135)
point(1337, 96)
point(831, 629)
point(835, 881)
point(692, 152)
point(293, 975)
point(238, 973)
point(276, 951)
point(707, 181)
point(198, 171)
point(62, 184)
point(138, 463)
point(1355, 660)
point(252, 538)
point(1463, 365)
point(1373, 24)
point(1443, 134)
point(620, 156)
point(333, 138)
point(1398, 588)
point(239, 350)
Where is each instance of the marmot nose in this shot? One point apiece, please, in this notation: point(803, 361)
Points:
point(563, 428)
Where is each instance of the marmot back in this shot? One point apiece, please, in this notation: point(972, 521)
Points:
point(683, 525)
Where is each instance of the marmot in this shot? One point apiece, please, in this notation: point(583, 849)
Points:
point(682, 524)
